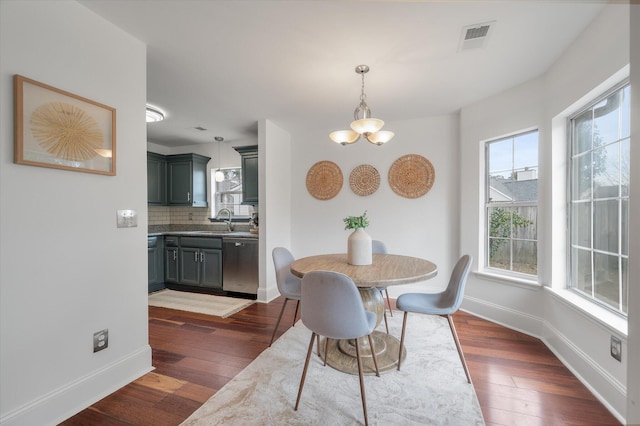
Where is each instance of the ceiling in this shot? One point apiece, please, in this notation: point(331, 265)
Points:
point(224, 65)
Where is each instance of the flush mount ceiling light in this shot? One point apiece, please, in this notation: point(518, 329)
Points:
point(154, 114)
point(219, 174)
point(365, 126)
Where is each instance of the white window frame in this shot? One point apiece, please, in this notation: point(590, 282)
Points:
point(569, 240)
point(508, 275)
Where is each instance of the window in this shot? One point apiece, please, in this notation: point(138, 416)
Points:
point(599, 200)
point(512, 204)
point(227, 194)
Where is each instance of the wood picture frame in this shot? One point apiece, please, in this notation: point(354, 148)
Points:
point(57, 129)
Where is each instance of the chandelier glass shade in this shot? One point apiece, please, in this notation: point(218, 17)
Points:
point(154, 114)
point(363, 125)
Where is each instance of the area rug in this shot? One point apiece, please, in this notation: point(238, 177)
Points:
point(219, 306)
point(431, 388)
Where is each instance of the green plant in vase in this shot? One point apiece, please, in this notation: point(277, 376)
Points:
point(355, 222)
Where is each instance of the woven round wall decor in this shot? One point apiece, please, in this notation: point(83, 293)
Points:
point(411, 176)
point(364, 179)
point(324, 180)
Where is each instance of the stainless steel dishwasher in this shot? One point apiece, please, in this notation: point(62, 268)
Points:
point(240, 265)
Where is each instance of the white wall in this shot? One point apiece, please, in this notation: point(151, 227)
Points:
point(633, 370)
point(274, 154)
point(425, 227)
point(581, 342)
point(66, 271)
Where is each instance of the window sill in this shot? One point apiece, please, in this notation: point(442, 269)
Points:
point(602, 316)
point(508, 279)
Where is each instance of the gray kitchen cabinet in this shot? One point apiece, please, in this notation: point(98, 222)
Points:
point(156, 179)
point(171, 260)
point(155, 263)
point(249, 161)
point(187, 183)
point(200, 262)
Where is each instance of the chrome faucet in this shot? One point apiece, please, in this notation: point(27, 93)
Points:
point(228, 222)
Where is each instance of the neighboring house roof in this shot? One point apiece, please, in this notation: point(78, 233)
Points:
point(513, 190)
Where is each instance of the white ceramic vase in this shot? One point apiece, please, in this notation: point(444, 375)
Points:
point(359, 248)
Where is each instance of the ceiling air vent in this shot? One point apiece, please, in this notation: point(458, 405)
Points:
point(475, 36)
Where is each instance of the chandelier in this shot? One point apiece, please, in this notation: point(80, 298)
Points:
point(364, 125)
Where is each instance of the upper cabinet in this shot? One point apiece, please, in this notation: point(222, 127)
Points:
point(249, 158)
point(185, 180)
point(156, 179)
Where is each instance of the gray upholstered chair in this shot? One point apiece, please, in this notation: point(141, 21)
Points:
point(378, 246)
point(288, 284)
point(332, 307)
point(444, 303)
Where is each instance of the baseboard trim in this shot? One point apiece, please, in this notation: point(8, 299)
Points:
point(507, 317)
point(65, 401)
point(582, 365)
point(576, 360)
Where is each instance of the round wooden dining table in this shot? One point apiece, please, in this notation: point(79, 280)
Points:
point(385, 270)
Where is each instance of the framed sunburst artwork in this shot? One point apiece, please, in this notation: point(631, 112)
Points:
point(57, 129)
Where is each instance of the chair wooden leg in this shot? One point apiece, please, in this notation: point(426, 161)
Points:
point(388, 303)
point(404, 325)
point(364, 400)
point(304, 371)
point(373, 355)
point(295, 315)
point(278, 322)
point(386, 324)
point(455, 338)
point(326, 350)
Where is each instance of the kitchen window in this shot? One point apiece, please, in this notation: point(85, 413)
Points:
point(511, 208)
point(227, 194)
point(599, 200)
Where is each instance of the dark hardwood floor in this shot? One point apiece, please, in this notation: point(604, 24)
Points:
point(517, 379)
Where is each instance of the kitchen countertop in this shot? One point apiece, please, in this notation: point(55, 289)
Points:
point(229, 234)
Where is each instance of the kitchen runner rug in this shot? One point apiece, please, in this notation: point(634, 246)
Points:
point(431, 388)
point(219, 306)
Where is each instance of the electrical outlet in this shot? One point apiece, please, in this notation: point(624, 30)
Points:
point(616, 348)
point(100, 340)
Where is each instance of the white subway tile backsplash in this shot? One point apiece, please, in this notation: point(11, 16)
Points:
point(165, 215)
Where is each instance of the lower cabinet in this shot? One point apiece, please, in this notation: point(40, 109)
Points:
point(185, 262)
point(171, 260)
point(155, 263)
point(201, 267)
point(200, 262)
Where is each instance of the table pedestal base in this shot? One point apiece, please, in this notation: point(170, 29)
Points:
point(341, 354)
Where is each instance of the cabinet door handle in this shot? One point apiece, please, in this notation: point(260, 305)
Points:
point(175, 254)
point(188, 196)
point(195, 258)
point(201, 257)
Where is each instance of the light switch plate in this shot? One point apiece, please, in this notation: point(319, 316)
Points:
point(127, 218)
